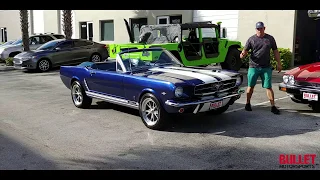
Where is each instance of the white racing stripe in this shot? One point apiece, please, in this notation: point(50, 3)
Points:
point(204, 71)
point(202, 77)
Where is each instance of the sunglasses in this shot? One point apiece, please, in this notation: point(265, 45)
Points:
point(259, 29)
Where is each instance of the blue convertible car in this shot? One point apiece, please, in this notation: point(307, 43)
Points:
point(154, 82)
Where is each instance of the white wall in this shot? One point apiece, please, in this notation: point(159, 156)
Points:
point(229, 19)
point(38, 21)
point(10, 19)
point(279, 23)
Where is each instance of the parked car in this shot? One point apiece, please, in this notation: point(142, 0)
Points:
point(158, 85)
point(7, 43)
point(35, 41)
point(61, 52)
point(303, 85)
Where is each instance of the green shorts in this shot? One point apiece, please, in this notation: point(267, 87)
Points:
point(264, 73)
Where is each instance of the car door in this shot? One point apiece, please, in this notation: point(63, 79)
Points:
point(62, 53)
point(81, 51)
point(104, 79)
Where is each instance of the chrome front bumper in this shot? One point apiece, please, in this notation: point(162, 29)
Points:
point(182, 104)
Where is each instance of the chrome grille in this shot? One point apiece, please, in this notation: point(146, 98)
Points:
point(211, 88)
point(308, 84)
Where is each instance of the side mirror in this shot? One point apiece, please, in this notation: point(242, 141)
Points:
point(224, 32)
point(57, 49)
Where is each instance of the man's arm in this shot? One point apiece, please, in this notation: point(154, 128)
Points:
point(276, 53)
point(246, 49)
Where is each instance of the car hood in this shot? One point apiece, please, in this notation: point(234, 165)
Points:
point(30, 53)
point(307, 72)
point(191, 76)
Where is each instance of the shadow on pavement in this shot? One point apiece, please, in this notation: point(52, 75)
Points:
point(260, 123)
point(15, 156)
point(202, 157)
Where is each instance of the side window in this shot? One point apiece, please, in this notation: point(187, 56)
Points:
point(66, 45)
point(82, 43)
point(34, 40)
point(58, 36)
point(209, 33)
point(45, 39)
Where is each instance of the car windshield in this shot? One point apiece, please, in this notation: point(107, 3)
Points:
point(17, 42)
point(49, 45)
point(147, 58)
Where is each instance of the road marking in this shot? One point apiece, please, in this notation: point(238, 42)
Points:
point(238, 109)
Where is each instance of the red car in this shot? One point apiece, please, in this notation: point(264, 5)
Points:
point(303, 85)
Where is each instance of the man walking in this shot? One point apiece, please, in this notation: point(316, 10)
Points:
point(260, 45)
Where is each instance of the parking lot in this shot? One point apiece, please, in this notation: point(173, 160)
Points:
point(40, 128)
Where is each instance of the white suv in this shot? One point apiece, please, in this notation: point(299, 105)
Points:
point(35, 41)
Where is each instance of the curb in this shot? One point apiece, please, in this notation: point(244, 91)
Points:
point(7, 68)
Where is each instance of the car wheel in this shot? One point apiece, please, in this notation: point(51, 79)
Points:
point(44, 65)
point(151, 112)
point(232, 61)
point(219, 110)
point(95, 57)
point(316, 107)
point(79, 97)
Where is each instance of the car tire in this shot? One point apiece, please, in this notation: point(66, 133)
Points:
point(219, 110)
point(95, 57)
point(162, 117)
point(232, 61)
point(316, 107)
point(44, 65)
point(79, 97)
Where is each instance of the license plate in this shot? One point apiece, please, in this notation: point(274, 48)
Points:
point(215, 105)
point(310, 96)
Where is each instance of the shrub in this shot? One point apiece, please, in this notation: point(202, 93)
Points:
point(285, 57)
point(9, 61)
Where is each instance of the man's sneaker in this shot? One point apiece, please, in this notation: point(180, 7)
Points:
point(275, 110)
point(248, 107)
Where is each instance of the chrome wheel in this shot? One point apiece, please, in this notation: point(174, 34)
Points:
point(95, 58)
point(150, 111)
point(77, 95)
point(44, 65)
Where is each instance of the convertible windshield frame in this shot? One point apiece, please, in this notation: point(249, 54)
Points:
point(127, 65)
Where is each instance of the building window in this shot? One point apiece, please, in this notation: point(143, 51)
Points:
point(136, 24)
point(107, 30)
point(3, 35)
point(172, 19)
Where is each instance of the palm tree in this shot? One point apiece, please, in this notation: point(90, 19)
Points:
point(67, 23)
point(24, 22)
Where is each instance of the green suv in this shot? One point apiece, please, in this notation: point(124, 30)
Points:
point(194, 44)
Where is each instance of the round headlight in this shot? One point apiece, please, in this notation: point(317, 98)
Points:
point(285, 79)
point(239, 80)
point(291, 79)
point(178, 91)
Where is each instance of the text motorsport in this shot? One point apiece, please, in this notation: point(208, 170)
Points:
point(297, 161)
